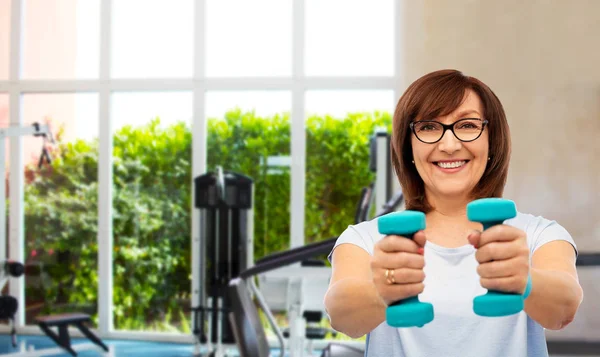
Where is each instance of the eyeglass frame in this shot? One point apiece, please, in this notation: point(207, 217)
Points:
point(447, 127)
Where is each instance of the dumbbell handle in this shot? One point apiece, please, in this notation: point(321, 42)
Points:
point(490, 212)
point(488, 225)
point(408, 312)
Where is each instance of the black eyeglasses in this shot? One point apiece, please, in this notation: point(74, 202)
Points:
point(431, 131)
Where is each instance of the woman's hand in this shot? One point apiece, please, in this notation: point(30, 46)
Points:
point(503, 256)
point(397, 267)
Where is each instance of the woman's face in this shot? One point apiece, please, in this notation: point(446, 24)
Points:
point(451, 168)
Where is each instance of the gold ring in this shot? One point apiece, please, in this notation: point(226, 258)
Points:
point(389, 276)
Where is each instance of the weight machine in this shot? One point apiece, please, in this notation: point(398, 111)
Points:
point(14, 269)
point(249, 332)
point(381, 191)
point(225, 249)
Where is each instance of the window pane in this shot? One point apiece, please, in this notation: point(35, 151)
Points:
point(248, 38)
point(151, 210)
point(61, 39)
point(249, 133)
point(4, 38)
point(61, 205)
point(349, 38)
point(339, 125)
point(152, 38)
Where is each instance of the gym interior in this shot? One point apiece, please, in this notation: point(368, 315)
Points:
point(177, 172)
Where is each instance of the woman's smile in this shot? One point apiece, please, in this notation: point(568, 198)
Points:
point(451, 166)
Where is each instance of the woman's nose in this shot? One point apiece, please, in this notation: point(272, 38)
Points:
point(449, 143)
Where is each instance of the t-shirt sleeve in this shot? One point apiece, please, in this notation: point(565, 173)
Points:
point(354, 234)
point(547, 231)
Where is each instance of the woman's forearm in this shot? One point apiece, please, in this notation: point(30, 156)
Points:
point(554, 299)
point(354, 306)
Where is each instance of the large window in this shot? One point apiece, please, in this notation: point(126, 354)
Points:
point(147, 95)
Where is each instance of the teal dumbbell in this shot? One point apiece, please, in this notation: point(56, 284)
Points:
point(409, 312)
point(490, 212)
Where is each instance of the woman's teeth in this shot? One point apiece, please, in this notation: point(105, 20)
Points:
point(451, 165)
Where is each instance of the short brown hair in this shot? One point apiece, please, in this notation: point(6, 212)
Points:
point(437, 94)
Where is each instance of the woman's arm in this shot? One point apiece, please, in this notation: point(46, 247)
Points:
point(555, 294)
point(504, 265)
point(352, 301)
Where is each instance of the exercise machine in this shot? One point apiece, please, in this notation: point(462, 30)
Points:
point(306, 285)
point(62, 338)
point(9, 304)
point(14, 269)
point(249, 332)
point(224, 250)
point(379, 163)
point(379, 195)
point(16, 131)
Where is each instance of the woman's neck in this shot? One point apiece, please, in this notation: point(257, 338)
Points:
point(447, 222)
point(455, 207)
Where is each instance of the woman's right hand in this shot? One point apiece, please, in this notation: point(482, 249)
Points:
point(403, 260)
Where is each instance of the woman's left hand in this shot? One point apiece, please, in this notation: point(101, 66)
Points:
point(503, 256)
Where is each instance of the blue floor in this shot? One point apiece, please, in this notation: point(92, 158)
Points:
point(121, 348)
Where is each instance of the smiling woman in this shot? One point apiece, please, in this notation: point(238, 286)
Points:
point(448, 170)
point(450, 146)
point(448, 100)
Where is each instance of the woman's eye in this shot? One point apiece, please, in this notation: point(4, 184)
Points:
point(468, 125)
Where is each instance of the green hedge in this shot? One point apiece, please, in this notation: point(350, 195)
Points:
point(151, 208)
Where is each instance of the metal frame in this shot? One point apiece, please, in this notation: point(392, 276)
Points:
point(105, 194)
point(14, 133)
point(298, 138)
point(297, 84)
point(383, 185)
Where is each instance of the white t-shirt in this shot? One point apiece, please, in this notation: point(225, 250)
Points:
point(451, 283)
